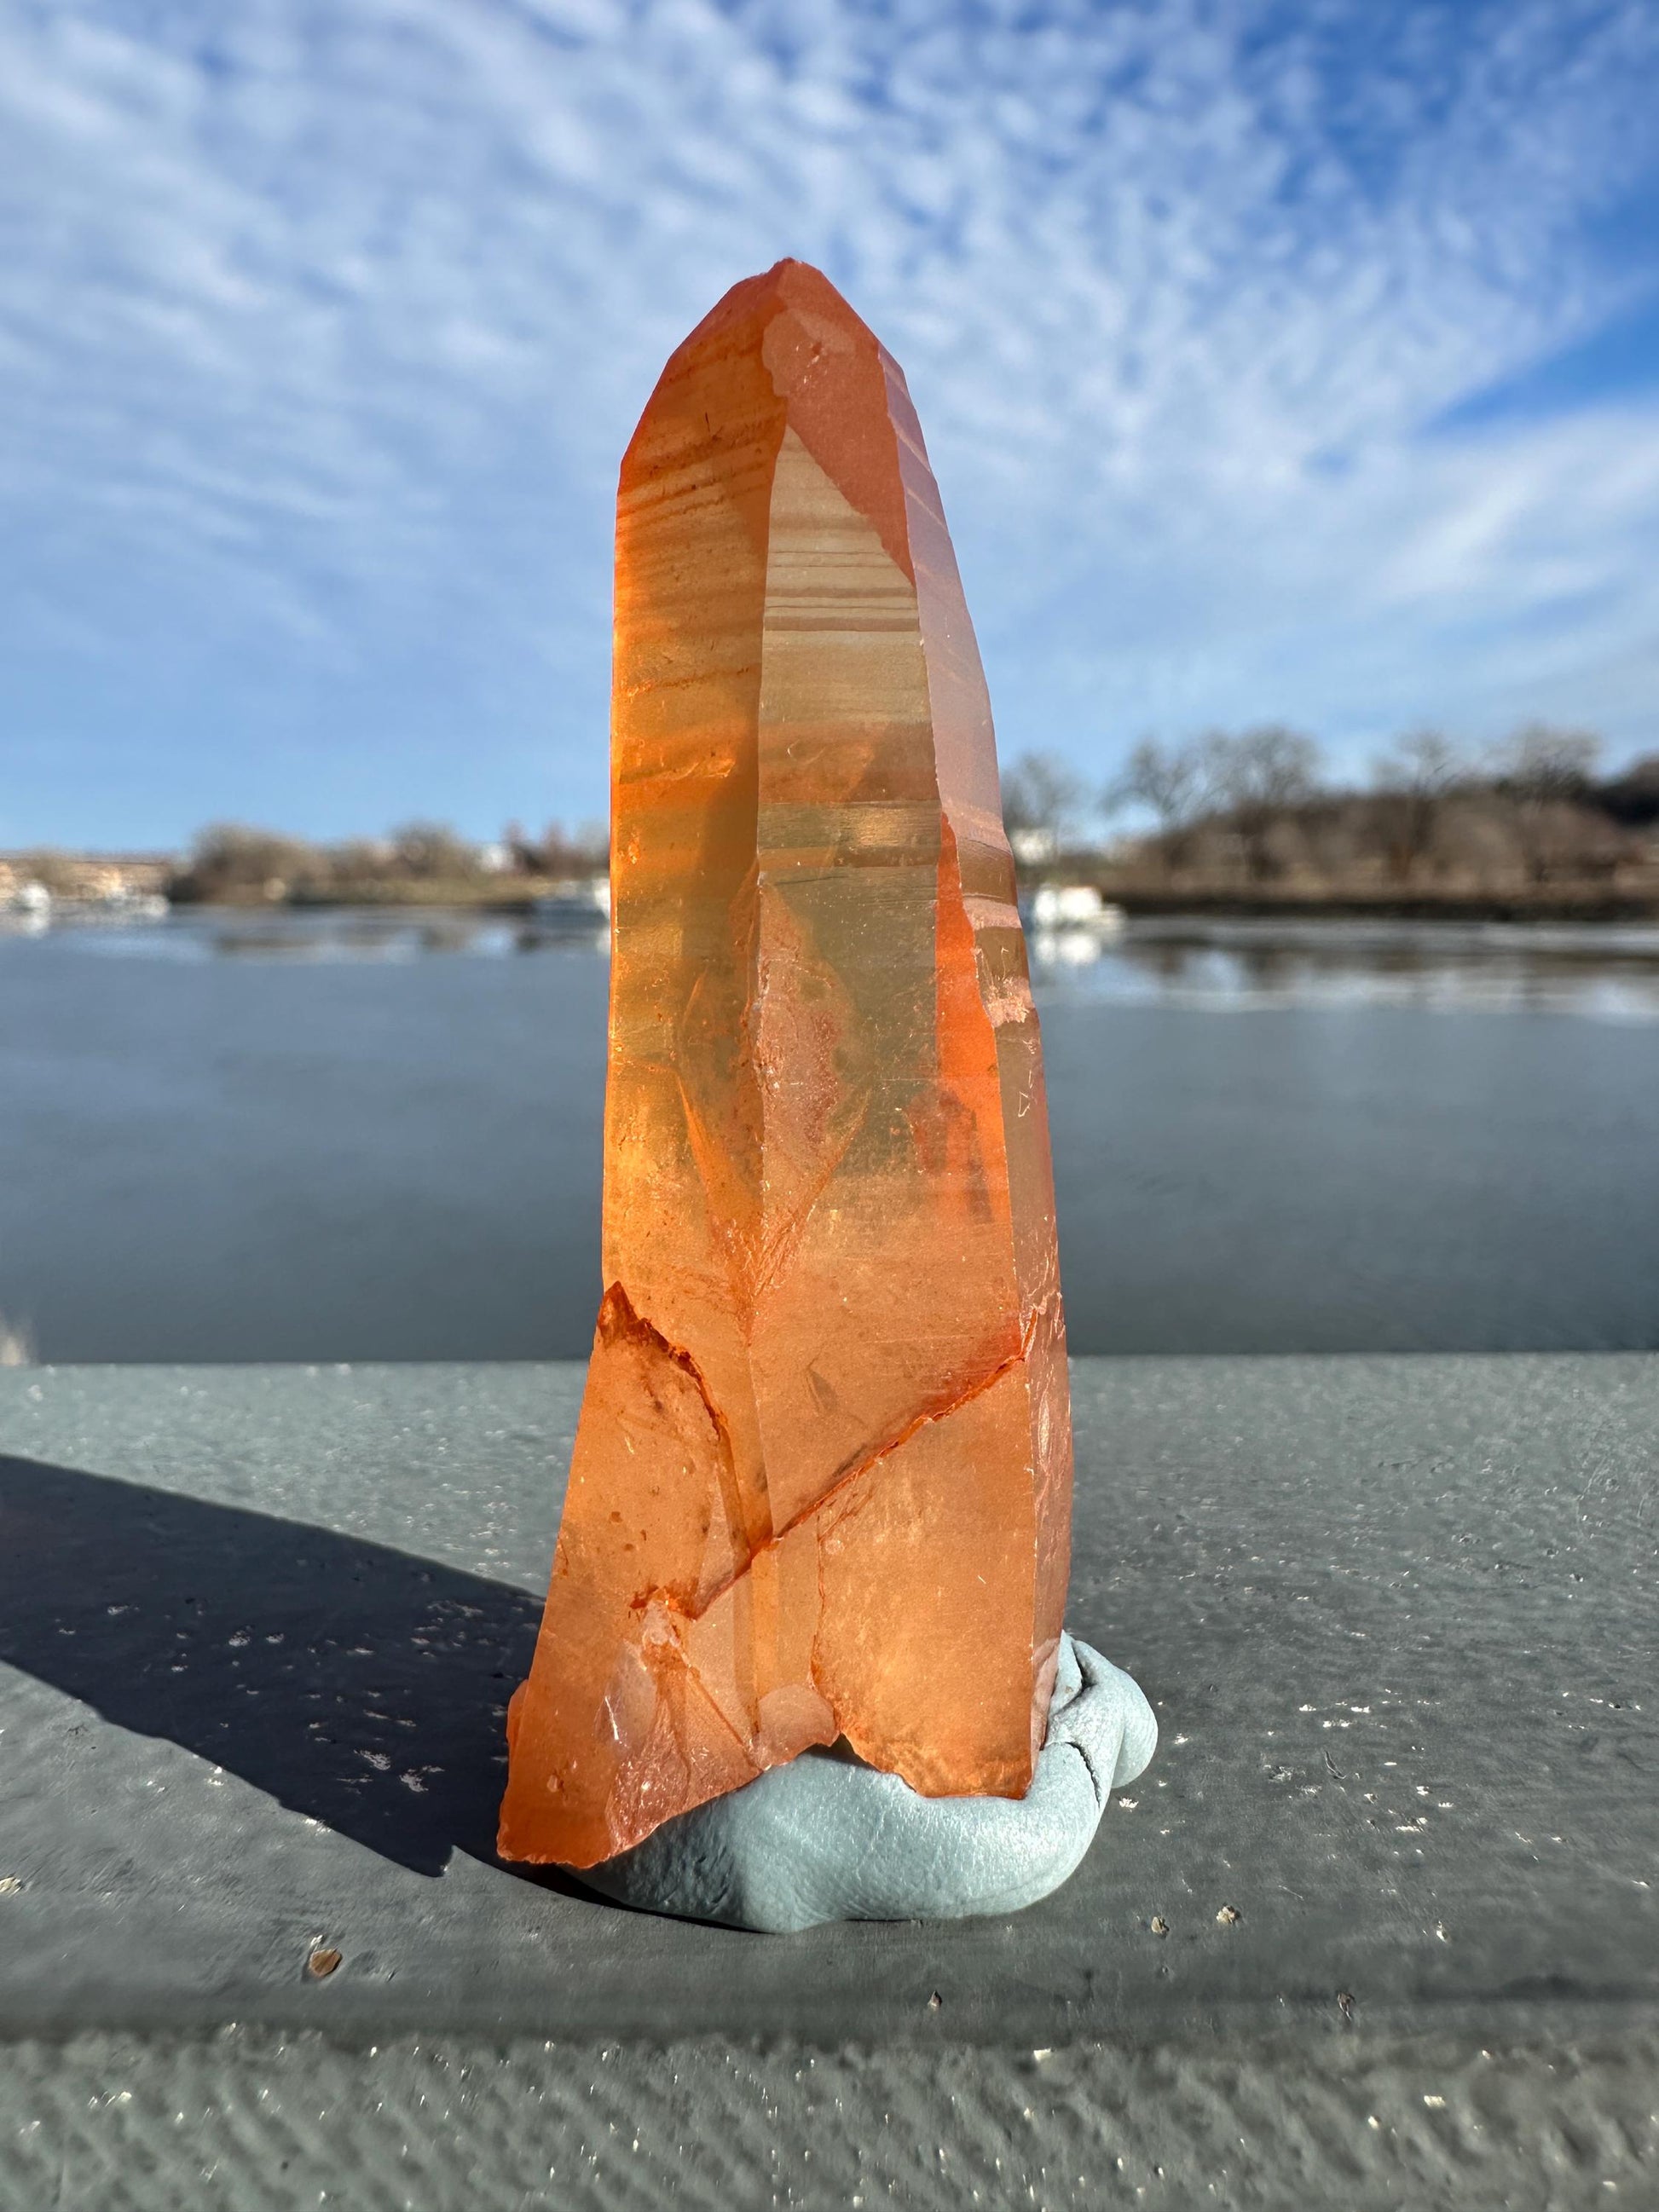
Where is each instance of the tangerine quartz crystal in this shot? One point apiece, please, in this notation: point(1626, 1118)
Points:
point(822, 1480)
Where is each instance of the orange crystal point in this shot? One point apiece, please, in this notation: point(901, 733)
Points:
point(822, 1482)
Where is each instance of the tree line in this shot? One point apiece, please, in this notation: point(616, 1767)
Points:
point(1217, 812)
point(232, 861)
point(1258, 808)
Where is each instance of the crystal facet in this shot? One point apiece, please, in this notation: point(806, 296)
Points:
point(822, 1479)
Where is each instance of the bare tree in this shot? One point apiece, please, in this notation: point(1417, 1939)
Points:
point(583, 851)
point(1259, 776)
point(1414, 776)
point(1173, 781)
point(432, 850)
point(1423, 761)
point(1042, 797)
point(1547, 762)
point(1548, 771)
point(360, 860)
point(230, 860)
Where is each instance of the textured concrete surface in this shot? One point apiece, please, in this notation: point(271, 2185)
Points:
point(1399, 1846)
point(1396, 1619)
point(251, 2121)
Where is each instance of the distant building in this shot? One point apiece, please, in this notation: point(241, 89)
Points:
point(97, 876)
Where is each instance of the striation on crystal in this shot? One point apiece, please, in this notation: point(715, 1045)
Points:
point(822, 1477)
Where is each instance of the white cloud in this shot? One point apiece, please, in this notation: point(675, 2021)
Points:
point(323, 323)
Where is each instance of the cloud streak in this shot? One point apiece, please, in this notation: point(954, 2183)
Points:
point(323, 325)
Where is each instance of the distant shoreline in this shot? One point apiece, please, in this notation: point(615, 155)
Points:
point(489, 896)
point(1576, 905)
point(522, 894)
point(1569, 904)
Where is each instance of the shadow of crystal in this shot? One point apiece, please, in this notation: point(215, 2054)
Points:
point(351, 1682)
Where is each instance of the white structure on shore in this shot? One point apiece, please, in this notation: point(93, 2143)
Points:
point(1070, 923)
point(1074, 906)
point(582, 902)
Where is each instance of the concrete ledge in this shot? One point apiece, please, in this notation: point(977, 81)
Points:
point(249, 2120)
point(1396, 1617)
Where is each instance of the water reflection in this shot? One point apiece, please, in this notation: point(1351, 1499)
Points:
point(1607, 974)
point(334, 934)
point(1603, 973)
point(378, 1134)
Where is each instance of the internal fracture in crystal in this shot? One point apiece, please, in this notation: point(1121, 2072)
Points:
point(822, 1479)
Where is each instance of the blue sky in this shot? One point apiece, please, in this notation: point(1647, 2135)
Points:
point(1288, 361)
